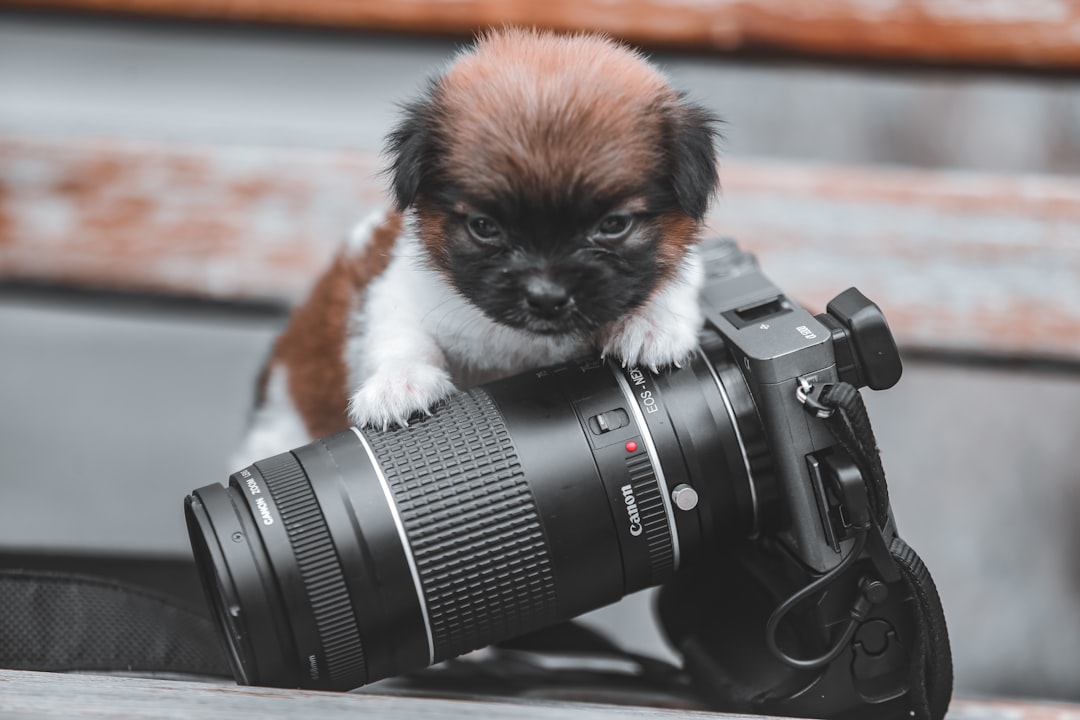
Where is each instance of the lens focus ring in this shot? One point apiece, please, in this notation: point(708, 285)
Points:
point(319, 566)
point(472, 524)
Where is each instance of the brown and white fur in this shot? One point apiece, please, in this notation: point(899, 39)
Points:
point(550, 191)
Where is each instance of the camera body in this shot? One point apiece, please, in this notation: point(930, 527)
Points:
point(777, 345)
point(813, 508)
point(737, 482)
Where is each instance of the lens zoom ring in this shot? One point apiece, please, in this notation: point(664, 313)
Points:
point(319, 566)
point(654, 519)
point(472, 524)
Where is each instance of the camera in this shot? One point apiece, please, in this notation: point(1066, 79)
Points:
point(528, 501)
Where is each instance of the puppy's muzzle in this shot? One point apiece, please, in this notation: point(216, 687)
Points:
point(546, 298)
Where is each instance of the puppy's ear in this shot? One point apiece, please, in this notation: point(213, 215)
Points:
point(410, 148)
point(693, 136)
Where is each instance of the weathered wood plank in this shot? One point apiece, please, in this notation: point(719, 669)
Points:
point(244, 223)
point(50, 695)
point(1005, 32)
point(44, 695)
point(961, 262)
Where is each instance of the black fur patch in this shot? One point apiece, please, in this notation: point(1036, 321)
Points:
point(549, 240)
point(692, 149)
point(411, 146)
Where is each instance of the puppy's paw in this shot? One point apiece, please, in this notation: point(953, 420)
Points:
point(653, 340)
point(391, 396)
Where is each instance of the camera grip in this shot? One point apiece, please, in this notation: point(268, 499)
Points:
point(895, 665)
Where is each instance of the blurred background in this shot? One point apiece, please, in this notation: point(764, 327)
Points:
point(172, 176)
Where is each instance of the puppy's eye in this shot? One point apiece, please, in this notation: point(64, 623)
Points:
point(615, 226)
point(484, 228)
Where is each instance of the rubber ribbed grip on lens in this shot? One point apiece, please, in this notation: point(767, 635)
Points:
point(654, 518)
point(319, 566)
point(471, 522)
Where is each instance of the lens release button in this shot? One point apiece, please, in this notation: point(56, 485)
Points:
point(605, 422)
point(685, 497)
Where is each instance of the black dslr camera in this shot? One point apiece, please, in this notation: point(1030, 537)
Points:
point(747, 483)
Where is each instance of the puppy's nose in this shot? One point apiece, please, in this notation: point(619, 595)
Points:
point(546, 297)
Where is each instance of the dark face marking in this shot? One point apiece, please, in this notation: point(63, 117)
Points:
point(549, 268)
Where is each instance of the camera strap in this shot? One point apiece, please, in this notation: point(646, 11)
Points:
point(931, 674)
point(70, 622)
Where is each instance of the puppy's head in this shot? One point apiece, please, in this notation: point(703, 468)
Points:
point(557, 181)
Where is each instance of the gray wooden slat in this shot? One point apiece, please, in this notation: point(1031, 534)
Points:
point(48, 695)
point(33, 695)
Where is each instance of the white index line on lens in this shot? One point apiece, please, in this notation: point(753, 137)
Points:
point(654, 460)
point(404, 541)
point(738, 438)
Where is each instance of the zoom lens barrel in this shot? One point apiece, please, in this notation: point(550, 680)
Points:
point(518, 504)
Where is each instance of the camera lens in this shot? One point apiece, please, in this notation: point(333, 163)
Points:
point(516, 505)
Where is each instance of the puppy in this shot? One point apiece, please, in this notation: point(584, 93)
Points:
point(549, 192)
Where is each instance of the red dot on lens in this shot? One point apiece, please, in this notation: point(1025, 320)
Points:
point(631, 446)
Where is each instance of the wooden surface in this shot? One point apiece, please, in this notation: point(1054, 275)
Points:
point(1022, 33)
point(210, 222)
point(959, 262)
point(66, 697)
